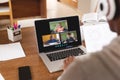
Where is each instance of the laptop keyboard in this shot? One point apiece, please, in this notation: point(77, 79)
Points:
point(66, 53)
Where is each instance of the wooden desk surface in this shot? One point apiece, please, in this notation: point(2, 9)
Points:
point(9, 69)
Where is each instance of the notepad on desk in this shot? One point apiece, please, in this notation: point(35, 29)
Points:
point(1, 77)
point(11, 51)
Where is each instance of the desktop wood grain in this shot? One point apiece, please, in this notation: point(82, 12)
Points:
point(9, 69)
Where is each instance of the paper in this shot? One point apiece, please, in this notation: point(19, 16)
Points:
point(97, 36)
point(11, 51)
point(93, 18)
point(90, 17)
point(1, 77)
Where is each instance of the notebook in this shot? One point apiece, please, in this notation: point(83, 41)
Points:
point(57, 39)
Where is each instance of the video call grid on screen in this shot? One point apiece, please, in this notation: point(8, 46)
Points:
point(54, 33)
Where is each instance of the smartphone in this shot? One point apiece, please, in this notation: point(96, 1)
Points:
point(24, 73)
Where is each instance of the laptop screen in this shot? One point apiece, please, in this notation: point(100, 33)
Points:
point(58, 33)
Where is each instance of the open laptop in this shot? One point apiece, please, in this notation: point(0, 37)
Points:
point(57, 39)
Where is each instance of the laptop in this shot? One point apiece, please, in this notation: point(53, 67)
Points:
point(57, 39)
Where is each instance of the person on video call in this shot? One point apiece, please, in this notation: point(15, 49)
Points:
point(70, 38)
point(59, 28)
point(101, 65)
point(52, 40)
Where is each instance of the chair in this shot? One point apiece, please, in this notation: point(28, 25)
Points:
point(6, 10)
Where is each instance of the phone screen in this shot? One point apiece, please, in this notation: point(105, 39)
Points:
point(24, 73)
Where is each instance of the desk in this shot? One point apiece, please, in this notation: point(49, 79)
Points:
point(9, 69)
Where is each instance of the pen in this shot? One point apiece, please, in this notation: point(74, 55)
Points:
point(11, 28)
point(19, 26)
point(15, 26)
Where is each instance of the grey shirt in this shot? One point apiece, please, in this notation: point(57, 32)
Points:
point(102, 65)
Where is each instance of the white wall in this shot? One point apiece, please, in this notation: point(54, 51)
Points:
point(93, 5)
point(84, 6)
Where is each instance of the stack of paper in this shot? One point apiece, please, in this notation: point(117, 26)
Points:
point(93, 18)
point(11, 51)
point(1, 77)
point(97, 36)
point(90, 17)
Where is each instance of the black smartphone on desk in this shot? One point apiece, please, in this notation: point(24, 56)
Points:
point(24, 73)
